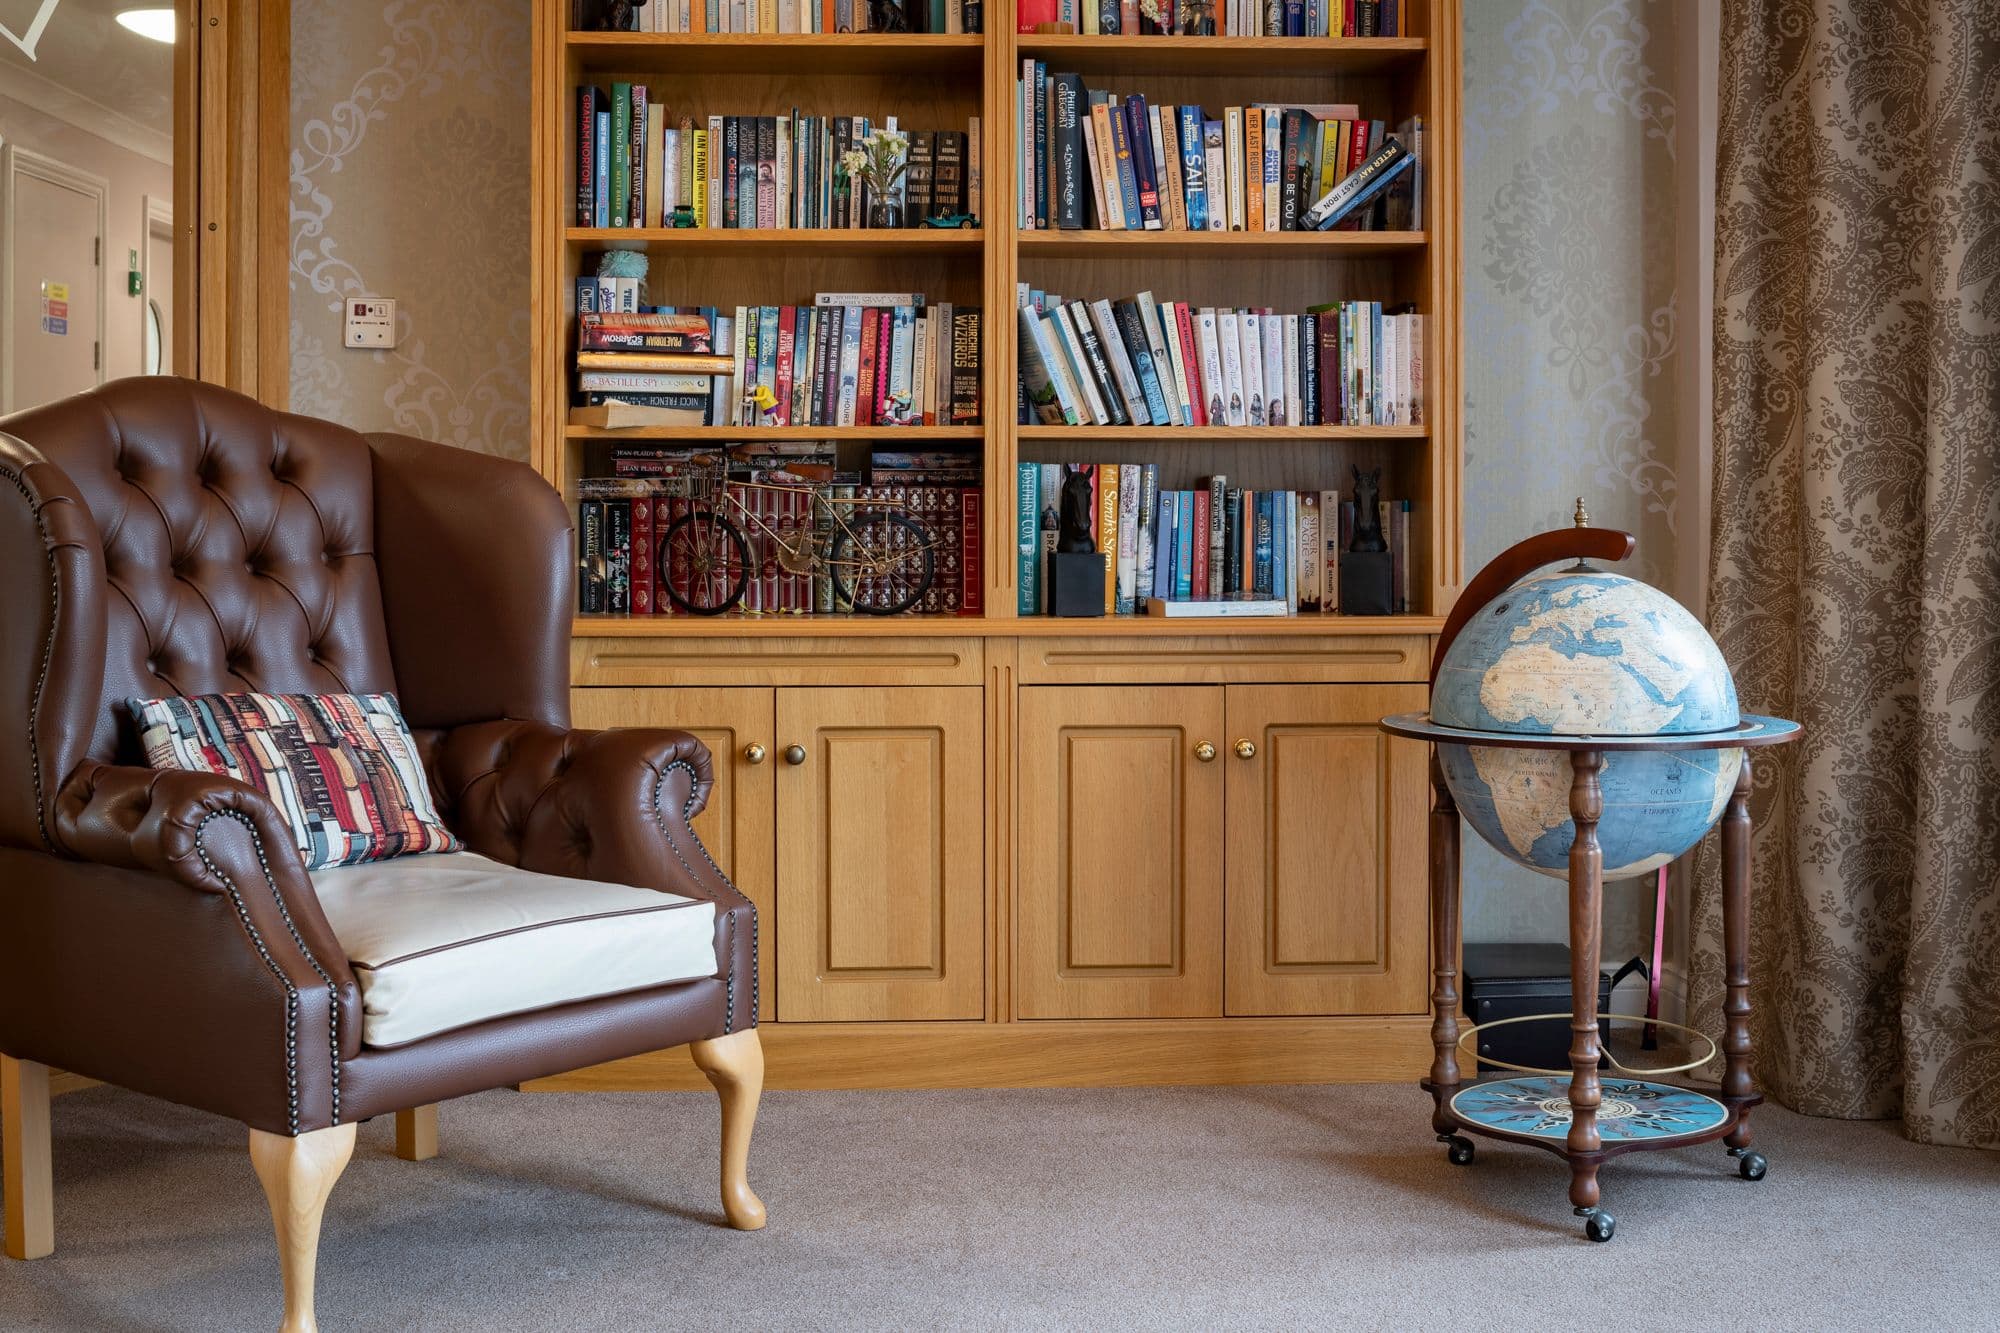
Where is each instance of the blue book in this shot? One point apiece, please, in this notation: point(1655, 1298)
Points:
point(1166, 522)
point(1281, 522)
point(603, 168)
point(1194, 168)
point(1260, 547)
point(1132, 332)
point(586, 296)
point(1028, 532)
point(1184, 545)
point(767, 347)
point(1128, 176)
point(1363, 195)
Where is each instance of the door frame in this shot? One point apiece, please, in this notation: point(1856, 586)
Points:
point(155, 212)
point(15, 162)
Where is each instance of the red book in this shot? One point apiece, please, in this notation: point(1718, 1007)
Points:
point(1199, 573)
point(767, 549)
point(642, 576)
point(1028, 13)
point(663, 515)
point(787, 340)
point(1332, 392)
point(865, 401)
point(1191, 358)
point(801, 593)
point(972, 557)
point(677, 576)
point(885, 357)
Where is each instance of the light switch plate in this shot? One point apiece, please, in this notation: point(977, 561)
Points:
point(371, 322)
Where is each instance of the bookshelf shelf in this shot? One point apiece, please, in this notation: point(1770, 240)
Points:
point(1241, 434)
point(996, 627)
point(777, 53)
point(912, 434)
point(1086, 54)
point(797, 240)
point(1220, 244)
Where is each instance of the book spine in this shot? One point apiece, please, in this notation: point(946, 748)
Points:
point(635, 208)
point(965, 366)
point(1107, 531)
point(1194, 167)
point(1232, 540)
point(1028, 571)
point(601, 152)
point(1132, 331)
point(590, 557)
point(1128, 180)
point(972, 550)
point(621, 153)
point(1068, 147)
point(618, 557)
point(586, 156)
point(1145, 171)
point(1149, 533)
point(1128, 539)
point(1099, 364)
point(1262, 569)
point(1217, 486)
point(640, 573)
point(1198, 544)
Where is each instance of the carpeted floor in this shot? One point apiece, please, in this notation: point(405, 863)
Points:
point(1142, 1208)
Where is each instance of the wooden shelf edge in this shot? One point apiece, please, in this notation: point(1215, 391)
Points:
point(1126, 1052)
point(775, 238)
point(779, 41)
point(752, 434)
point(1313, 242)
point(991, 627)
point(1169, 434)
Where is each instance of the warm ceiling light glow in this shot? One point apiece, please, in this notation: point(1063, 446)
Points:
point(157, 24)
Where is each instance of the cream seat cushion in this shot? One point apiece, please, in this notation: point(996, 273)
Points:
point(443, 941)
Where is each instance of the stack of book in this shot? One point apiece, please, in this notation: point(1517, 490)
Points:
point(847, 359)
point(808, 16)
point(1143, 362)
point(1214, 18)
point(654, 369)
point(627, 567)
point(1211, 550)
point(1111, 163)
point(638, 164)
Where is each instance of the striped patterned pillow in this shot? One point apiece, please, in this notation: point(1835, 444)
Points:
point(340, 767)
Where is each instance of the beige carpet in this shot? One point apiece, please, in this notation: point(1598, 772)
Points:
point(1142, 1208)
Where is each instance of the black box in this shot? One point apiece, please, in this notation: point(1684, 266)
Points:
point(1076, 583)
point(1367, 583)
point(1512, 980)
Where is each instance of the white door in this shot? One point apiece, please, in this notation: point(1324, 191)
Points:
point(157, 266)
point(53, 239)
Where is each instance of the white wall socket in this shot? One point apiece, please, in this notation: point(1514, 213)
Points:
point(371, 322)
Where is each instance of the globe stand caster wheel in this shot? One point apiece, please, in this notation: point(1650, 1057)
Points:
point(1750, 1165)
point(1598, 1225)
point(1458, 1149)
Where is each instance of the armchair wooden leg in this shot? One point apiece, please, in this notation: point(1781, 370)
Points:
point(417, 1133)
point(298, 1174)
point(24, 1126)
point(735, 1065)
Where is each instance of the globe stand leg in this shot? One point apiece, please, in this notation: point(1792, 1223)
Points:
point(1445, 931)
point(1586, 914)
point(1738, 1084)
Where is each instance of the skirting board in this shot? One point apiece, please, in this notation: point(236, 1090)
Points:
point(1110, 1053)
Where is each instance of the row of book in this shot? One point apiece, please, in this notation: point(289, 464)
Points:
point(1110, 163)
point(1144, 362)
point(846, 359)
point(638, 165)
point(804, 16)
point(628, 565)
point(1214, 18)
point(1212, 549)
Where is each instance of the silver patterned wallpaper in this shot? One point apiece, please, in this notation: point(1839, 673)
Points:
point(410, 180)
point(1575, 319)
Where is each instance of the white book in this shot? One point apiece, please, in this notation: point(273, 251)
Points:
point(788, 15)
point(850, 364)
point(1156, 346)
point(1079, 368)
point(1294, 399)
point(1416, 370)
point(1233, 164)
point(920, 365)
point(1126, 572)
point(1215, 175)
point(1208, 342)
point(1250, 333)
point(1170, 329)
point(741, 338)
point(858, 299)
point(670, 174)
point(1277, 408)
point(1096, 175)
point(782, 173)
point(1068, 397)
point(1227, 606)
point(1158, 221)
point(1229, 339)
point(715, 180)
point(902, 348)
point(1307, 559)
point(1126, 375)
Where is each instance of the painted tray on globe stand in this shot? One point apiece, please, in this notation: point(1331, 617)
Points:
point(1594, 619)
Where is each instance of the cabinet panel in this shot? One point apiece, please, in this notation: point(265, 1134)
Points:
point(881, 890)
point(735, 825)
point(1327, 898)
point(1119, 906)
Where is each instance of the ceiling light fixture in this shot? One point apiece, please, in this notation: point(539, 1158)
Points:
point(157, 24)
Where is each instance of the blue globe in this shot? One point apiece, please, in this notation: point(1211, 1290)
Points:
point(1583, 652)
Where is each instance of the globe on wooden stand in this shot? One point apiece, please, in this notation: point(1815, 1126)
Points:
point(1554, 694)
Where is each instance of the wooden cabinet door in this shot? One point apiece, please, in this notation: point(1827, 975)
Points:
point(881, 854)
point(1328, 899)
point(1119, 907)
point(735, 825)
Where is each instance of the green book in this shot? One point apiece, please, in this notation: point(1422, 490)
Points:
point(1028, 515)
point(621, 152)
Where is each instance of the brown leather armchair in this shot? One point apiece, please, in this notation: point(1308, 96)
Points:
point(158, 930)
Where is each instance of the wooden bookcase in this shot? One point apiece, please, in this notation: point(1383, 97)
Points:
point(1019, 850)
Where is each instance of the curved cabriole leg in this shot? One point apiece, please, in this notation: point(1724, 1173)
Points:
point(1737, 1080)
point(1586, 899)
point(297, 1175)
point(417, 1133)
point(735, 1065)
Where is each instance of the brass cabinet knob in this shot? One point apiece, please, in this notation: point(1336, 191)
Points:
point(795, 755)
point(1205, 752)
point(754, 753)
point(1245, 749)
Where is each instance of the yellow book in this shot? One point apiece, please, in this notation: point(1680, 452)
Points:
point(1107, 531)
point(698, 177)
point(656, 167)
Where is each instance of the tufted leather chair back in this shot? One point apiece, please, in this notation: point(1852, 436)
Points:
point(239, 545)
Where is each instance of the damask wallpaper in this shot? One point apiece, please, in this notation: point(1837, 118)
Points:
point(1576, 328)
point(410, 180)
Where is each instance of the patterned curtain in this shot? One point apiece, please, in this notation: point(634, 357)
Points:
point(1855, 576)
